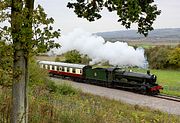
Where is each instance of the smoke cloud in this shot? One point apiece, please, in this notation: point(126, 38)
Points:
point(118, 53)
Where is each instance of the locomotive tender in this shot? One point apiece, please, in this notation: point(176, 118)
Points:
point(109, 77)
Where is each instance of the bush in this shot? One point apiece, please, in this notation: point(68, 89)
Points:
point(37, 75)
point(163, 57)
point(73, 57)
point(66, 89)
point(174, 57)
point(6, 63)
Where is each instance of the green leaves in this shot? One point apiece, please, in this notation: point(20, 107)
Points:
point(163, 57)
point(6, 63)
point(142, 12)
point(88, 10)
point(34, 31)
point(44, 34)
point(73, 56)
point(174, 57)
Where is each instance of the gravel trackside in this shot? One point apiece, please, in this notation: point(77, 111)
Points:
point(168, 106)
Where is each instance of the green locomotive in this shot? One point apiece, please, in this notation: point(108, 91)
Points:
point(117, 77)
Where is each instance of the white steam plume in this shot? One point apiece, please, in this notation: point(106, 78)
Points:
point(118, 53)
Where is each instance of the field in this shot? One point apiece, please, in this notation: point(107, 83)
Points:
point(148, 44)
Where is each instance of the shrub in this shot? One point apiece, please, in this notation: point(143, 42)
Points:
point(37, 75)
point(73, 57)
point(163, 57)
point(66, 89)
point(174, 57)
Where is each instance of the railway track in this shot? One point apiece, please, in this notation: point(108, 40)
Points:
point(161, 96)
point(168, 97)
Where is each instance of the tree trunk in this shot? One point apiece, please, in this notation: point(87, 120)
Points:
point(20, 64)
point(19, 108)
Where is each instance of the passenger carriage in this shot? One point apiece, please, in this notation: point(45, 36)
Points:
point(63, 69)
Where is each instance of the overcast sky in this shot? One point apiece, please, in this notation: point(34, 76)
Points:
point(66, 20)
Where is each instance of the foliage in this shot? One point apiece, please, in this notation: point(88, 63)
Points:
point(66, 89)
point(5, 64)
point(43, 31)
point(37, 76)
point(42, 34)
point(73, 56)
point(174, 57)
point(84, 108)
point(29, 31)
point(158, 57)
point(163, 57)
point(142, 12)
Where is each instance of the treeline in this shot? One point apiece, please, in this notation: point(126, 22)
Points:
point(163, 57)
point(74, 56)
point(158, 57)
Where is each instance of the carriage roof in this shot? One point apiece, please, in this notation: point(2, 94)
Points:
point(62, 64)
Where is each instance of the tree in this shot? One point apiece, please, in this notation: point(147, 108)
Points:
point(158, 57)
point(142, 12)
point(30, 31)
point(73, 57)
point(174, 57)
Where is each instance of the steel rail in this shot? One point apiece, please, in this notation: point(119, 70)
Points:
point(168, 97)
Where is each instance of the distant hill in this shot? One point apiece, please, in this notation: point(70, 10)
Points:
point(168, 34)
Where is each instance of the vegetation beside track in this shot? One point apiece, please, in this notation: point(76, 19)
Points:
point(67, 105)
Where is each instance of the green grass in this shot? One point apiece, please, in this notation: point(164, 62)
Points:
point(149, 44)
point(169, 79)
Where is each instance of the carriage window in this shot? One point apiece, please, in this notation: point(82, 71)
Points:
point(62, 68)
point(80, 71)
point(57, 68)
point(48, 67)
point(74, 71)
point(52, 67)
point(67, 69)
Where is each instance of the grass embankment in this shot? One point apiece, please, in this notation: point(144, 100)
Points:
point(64, 104)
point(86, 108)
point(169, 79)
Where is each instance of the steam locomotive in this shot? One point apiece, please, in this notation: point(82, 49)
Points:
point(109, 77)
